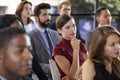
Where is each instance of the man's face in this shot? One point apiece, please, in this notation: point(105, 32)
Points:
point(16, 59)
point(44, 18)
point(104, 18)
point(66, 9)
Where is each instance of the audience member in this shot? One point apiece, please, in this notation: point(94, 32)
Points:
point(43, 42)
point(103, 17)
point(24, 11)
point(10, 20)
point(103, 53)
point(70, 52)
point(15, 57)
point(7, 20)
point(63, 8)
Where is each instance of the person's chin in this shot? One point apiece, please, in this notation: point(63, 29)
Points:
point(25, 72)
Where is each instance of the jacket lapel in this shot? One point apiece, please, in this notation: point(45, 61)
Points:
point(39, 36)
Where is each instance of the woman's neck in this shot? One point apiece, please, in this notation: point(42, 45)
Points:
point(108, 65)
point(25, 20)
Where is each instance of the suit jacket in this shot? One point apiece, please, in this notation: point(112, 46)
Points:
point(40, 48)
point(40, 52)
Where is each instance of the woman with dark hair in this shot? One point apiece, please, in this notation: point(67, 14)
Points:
point(24, 11)
point(103, 61)
point(70, 52)
point(10, 20)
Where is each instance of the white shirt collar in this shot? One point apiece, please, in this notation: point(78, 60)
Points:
point(2, 78)
point(103, 25)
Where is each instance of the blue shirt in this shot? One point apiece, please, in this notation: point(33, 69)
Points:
point(32, 25)
point(44, 66)
point(42, 31)
point(2, 78)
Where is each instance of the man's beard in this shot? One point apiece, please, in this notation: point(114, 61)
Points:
point(44, 24)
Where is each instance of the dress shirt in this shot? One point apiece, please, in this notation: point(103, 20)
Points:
point(45, 67)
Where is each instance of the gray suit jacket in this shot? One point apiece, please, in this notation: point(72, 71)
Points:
point(39, 46)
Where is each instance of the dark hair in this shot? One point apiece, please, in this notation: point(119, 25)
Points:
point(20, 8)
point(39, 7)
point(62, 20)
point(7, 34)
point(7, 19)
point(98, 11)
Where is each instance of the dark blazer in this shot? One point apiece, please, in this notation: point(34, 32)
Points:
point(53, 26)
point(38, 70)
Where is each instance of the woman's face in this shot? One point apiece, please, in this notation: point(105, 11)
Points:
point(27, 10)
point(68, 31)
point(112, 46)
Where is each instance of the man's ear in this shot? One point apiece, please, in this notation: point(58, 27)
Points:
point(59, 31)
point(1, 56)
point(97, 18)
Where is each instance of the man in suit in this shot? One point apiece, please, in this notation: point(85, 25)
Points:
point(15, 56)
point(43, 39)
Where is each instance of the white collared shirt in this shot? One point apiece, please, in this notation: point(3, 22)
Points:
point(2, 78)
point(103, 25)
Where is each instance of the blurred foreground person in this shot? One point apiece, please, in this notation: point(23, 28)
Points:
point(15, 57)
point(8, 20)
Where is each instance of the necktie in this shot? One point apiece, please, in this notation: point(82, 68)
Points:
point(49, 41)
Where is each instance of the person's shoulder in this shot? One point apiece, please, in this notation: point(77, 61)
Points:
point(52, 30)
point(26, 78)
point(88, 63)
point(88, 67)
point(32, 31)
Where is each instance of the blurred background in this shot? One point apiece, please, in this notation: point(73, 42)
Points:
point(82, 10)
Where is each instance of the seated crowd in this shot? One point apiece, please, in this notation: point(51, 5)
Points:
point(27, 46)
